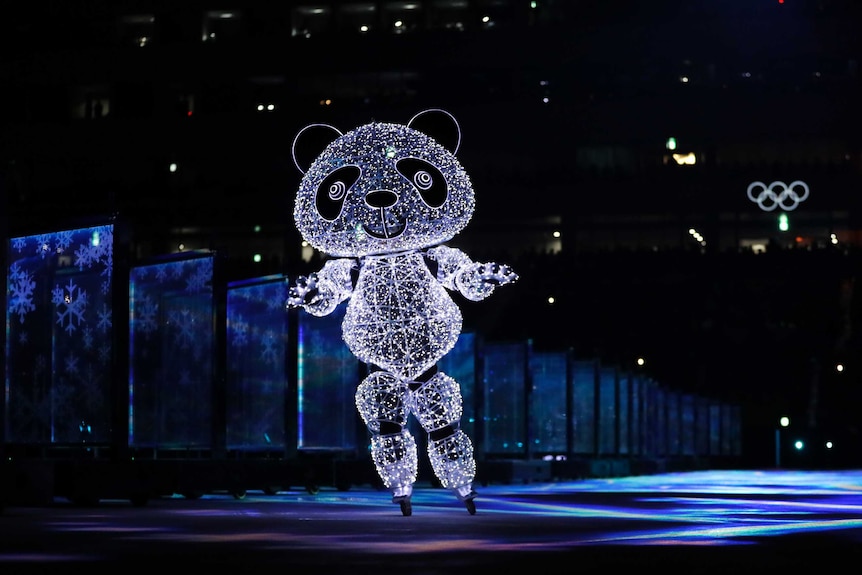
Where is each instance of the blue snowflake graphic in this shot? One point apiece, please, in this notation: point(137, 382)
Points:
point(184, 320)
point(269, 351)
point(105, 353)
point(21, 286)
point(104, 322)
point(63, 240)
point(71, 364)
point(98, 251)
point(200, 277)
point(72, 303)
point(145, 315)
point(239, 331)
point(43, 244)
point(87, 337)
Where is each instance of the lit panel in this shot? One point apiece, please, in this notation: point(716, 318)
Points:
point(172, 352)
point(256, 378)
point(59, 336)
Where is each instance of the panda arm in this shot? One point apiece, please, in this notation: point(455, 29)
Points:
point(475, 281)
point(320, 293)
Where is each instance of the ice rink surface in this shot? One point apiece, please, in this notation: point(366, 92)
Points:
point(695, 522)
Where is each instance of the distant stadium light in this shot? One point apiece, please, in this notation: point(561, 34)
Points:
point(688, 159)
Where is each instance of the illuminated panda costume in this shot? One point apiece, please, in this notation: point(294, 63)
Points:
point(381, 200)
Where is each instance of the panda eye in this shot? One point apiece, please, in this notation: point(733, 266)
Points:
point(332, 191)
point(337, 190)
point(423, 180)
point(427, 179)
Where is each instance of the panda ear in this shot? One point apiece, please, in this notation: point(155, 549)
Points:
point(310, 142)
point(440, 125)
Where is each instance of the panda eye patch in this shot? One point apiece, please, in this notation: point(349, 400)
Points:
point(333, 190)
point(427, 179)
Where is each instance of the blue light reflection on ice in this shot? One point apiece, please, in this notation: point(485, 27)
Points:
point(709, 508)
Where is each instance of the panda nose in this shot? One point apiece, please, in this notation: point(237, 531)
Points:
point(381, 198)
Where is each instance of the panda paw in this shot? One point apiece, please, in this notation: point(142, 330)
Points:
point(303, 292)
point(497, 274)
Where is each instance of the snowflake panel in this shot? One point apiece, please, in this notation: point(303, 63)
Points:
point(256, 352)
point(172, 346)
point(59, 338)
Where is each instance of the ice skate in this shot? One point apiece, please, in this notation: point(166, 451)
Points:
point(401, 496)
point(406, 505)
point(467, 495)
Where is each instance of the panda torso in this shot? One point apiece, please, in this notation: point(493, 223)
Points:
point(399, 316)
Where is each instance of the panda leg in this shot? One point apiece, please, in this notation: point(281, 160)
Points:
point(437, 404)
point(381, 402)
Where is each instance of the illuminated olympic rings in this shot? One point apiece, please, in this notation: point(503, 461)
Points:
point(776, 194)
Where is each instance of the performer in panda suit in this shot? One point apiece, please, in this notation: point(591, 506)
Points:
point(380, 201)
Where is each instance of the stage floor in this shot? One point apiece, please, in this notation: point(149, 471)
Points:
point(697, 522)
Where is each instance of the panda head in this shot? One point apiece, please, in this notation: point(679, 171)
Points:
point(382, 188)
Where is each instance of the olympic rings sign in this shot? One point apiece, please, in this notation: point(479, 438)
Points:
point(787, 196)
